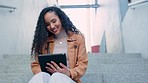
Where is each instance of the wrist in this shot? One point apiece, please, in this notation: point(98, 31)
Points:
point(69, 74)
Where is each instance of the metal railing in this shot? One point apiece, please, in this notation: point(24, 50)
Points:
point(137, 3)
point(12, 9)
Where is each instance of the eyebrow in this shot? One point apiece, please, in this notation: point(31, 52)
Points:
point(54, 19)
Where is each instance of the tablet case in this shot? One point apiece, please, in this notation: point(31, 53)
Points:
point(47, 58)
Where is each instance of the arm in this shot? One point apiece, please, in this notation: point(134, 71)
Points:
point(35, 67)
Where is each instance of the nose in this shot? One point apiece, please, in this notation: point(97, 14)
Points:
point(52, 25)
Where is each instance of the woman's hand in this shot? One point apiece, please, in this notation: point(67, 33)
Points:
point(55, 68)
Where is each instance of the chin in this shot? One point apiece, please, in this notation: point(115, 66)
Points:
point(56, 33)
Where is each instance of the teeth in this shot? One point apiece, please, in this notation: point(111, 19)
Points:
point(54, 30)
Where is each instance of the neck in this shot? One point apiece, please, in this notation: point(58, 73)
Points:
point(62, 34)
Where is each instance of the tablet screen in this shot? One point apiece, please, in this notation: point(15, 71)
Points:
point(47, 58)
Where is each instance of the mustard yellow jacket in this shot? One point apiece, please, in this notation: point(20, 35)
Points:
point(78, 59)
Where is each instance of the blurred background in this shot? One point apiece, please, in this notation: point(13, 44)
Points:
point(109, 26)
point(115, 32)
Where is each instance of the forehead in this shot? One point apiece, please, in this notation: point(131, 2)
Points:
point(50, 15)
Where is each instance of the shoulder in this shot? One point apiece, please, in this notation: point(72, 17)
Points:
point(76, 35)
point(78, 38)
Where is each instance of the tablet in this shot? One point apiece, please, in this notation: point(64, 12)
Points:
point(47, 58)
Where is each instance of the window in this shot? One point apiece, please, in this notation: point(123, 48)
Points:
point(81, 13)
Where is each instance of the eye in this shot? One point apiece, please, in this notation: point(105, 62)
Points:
point(47, 24)
point(54, 21)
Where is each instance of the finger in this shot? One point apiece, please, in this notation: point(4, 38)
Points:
point(51, 66)
point(56, 66)
point(49, 69)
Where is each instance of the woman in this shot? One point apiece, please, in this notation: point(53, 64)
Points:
point(55, 33)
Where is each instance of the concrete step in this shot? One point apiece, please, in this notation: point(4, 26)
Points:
point(102, 68)
point(92, 59)
point(110, 60)
point(15, 68)
point(115, 78)
point(16, 56)
point(115, 55)
point(15, 77)
point(16, 59)
point(92, 78)
point(101, 58)
point(87, 78)
point(97, 68)
point(117, 68)
point(12, 63)
point(100, 55)
point(125, 78)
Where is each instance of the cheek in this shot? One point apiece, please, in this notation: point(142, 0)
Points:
point(48, 28)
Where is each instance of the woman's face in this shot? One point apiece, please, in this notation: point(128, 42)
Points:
point(53, 23)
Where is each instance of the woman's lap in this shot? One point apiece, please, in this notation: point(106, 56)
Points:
point(43, 77)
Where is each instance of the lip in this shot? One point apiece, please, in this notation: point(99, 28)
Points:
point(55, 30)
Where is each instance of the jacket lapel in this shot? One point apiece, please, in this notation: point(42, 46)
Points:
point(71, 51)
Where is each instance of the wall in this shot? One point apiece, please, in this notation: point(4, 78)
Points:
point(109, 19)
point(135, 30)
point(17, 28)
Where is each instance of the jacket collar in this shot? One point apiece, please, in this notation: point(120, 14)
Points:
point(70, 38)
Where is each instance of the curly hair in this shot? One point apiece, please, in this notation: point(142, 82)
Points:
point(41, 32)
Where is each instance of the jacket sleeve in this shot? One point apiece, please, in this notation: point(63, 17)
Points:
point(35, 67)
point(81, 62)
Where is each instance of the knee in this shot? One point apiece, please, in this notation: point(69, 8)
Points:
point(60, 78)
point(57, 75)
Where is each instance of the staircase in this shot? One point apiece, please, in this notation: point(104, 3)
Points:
point(15, 68)
point(116, 68)
point(102, 68)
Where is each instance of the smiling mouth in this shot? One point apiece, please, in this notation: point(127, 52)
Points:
point(55, 30)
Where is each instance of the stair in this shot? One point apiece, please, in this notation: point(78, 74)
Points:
point(116, 68)
point(102, 68)
point(15, 68)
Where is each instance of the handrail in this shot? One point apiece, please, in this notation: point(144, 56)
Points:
point(80, 6)
point(137, 2)
point(8, 7)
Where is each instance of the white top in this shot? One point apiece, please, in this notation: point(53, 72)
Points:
point(61, 44)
